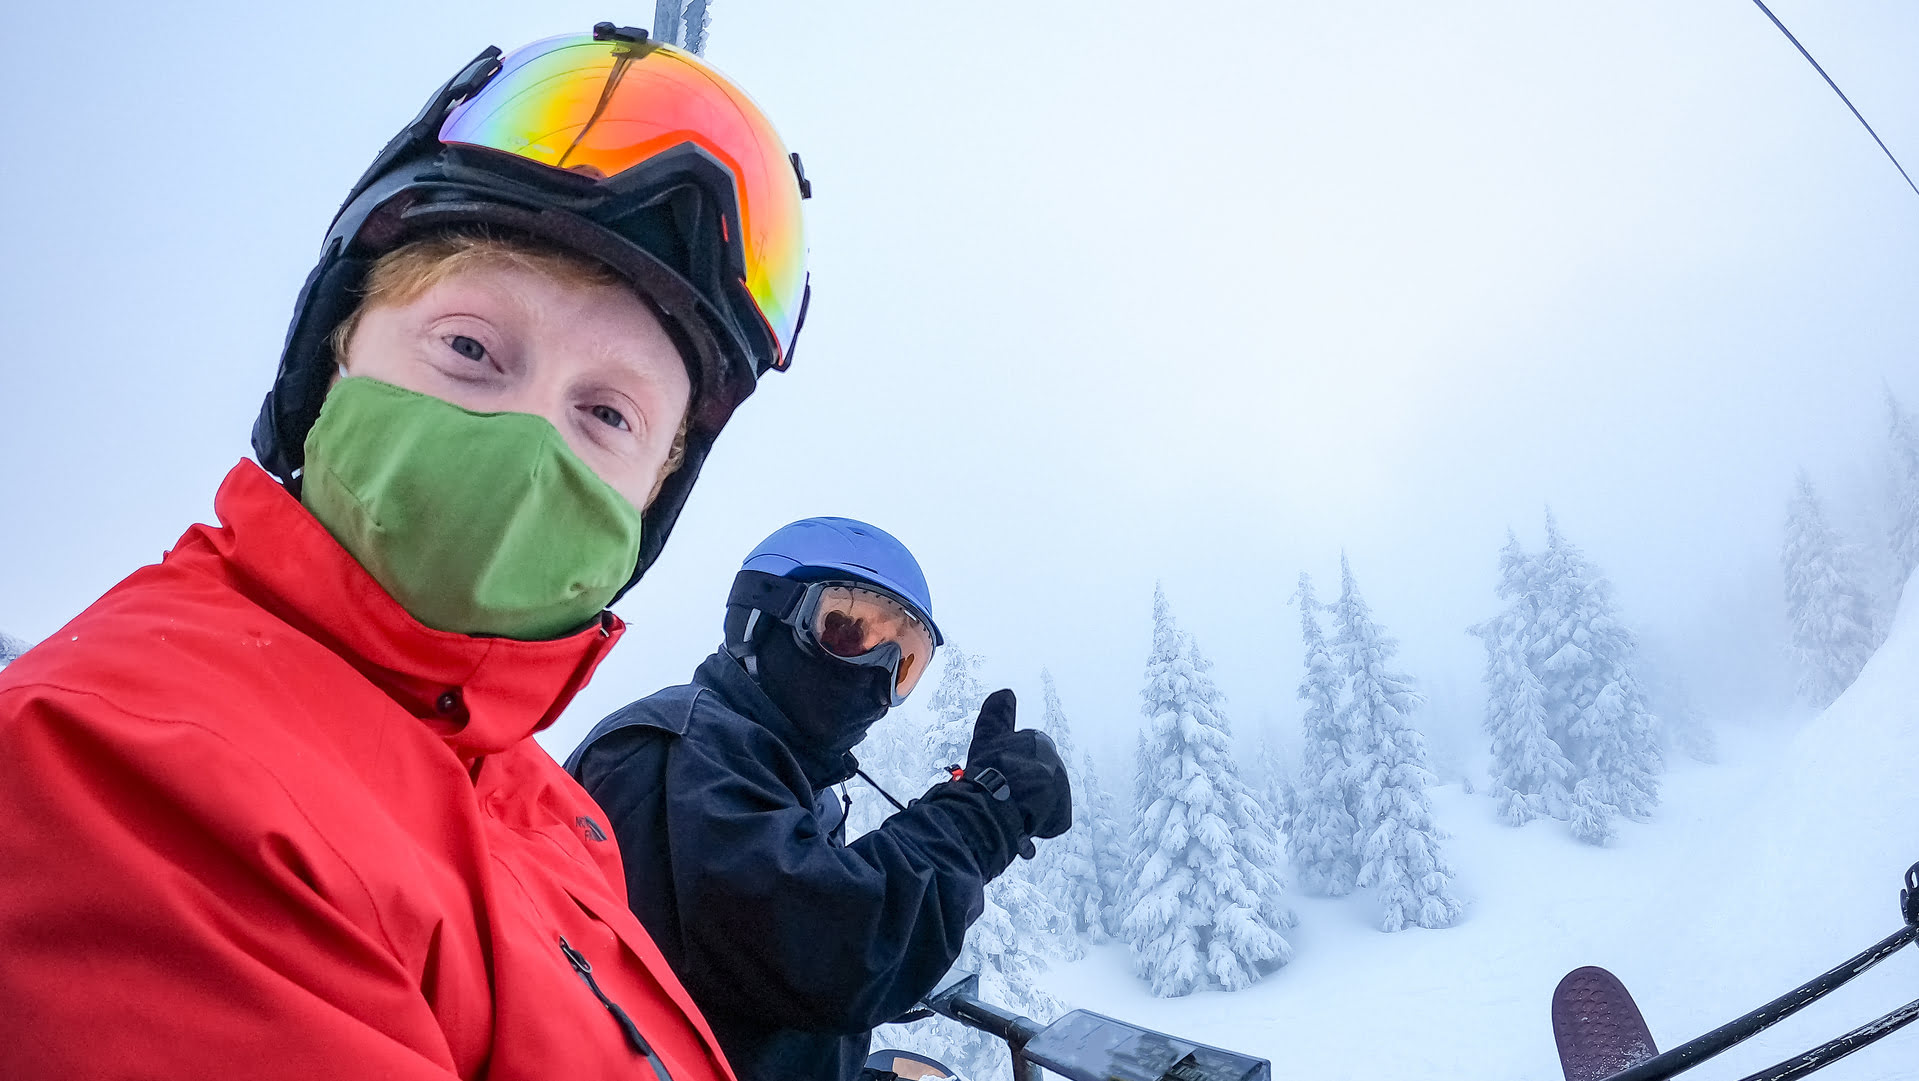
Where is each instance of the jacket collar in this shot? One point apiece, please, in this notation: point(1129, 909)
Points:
point(482, 695)
point(723, 675)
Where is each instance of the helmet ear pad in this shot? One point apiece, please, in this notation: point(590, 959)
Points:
point(757, 600)
point(744, 626)
point(330, 294)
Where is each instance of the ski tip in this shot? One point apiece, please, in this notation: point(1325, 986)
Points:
point(1597, 1025)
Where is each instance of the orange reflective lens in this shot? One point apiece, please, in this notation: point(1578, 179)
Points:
point(599, 108)
point(851, 622)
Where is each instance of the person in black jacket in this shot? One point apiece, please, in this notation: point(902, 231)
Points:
point(795, 943)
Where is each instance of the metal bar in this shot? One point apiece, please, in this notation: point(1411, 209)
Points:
point(988, 1018)
point(1833, 1050)
point(1692, 1053)
point(1016, 1030)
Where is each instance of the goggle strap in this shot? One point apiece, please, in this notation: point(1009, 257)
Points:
point(425, 128)
point(769, 593)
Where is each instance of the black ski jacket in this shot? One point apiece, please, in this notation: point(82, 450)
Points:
point(793, 943)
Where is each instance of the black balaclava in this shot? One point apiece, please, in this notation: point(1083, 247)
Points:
point(831, 702)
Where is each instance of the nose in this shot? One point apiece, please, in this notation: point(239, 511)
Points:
point(546, 399)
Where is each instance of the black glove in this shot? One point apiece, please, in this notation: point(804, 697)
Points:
point(1035, 777)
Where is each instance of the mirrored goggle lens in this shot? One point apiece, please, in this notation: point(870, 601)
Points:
point(599, 108)
point(851, 622)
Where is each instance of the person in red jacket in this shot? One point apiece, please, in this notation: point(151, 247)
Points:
point(272, 807)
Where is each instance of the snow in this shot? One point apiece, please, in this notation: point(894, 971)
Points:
point(1754, 875)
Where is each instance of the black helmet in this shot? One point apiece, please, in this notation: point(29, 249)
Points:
point(630, 152)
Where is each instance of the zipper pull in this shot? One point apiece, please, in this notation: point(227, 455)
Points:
point(585, 968)
point(580, 964)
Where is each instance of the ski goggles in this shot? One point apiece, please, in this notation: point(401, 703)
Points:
point(849, 621)
point(607, 104)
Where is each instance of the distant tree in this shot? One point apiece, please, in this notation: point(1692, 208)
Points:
point(1274, 777)
point(1586, 661)
point(1322, 842)
point(1903, 494)
point(1064, 869)
point(1399, 845)
point(1531, 777)
point(1682, 725)
point(11, 649)
point(1108, 837)
point(1835, 628)
point(1206, 907)
point(953, 707)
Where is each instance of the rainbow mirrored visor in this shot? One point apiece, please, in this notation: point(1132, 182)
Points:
point(598, 108)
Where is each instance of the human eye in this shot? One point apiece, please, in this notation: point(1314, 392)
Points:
point(610, 417)
point(470, 348)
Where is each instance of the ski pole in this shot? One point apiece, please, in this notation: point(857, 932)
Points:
point(1833, 1050)
point(1692, 1053)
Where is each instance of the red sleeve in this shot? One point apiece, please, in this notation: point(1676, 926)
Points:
point(167, 911)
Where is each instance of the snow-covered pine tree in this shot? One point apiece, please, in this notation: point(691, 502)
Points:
point(953, 708)
point(1903, 496)
point(1206, 908)
point(1835, 628)
point(1682, 725)
point(1530, 774)
point(1322, 843)
point(11, 649)
point(1064, 870)
point(1275, 785)
point(1592, 818)
point(1399, 845)
point(1586, 661)
point(1108, 849)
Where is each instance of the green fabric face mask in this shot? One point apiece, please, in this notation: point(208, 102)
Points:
point(477, 523)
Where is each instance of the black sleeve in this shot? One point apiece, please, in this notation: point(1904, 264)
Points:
point(779, 924)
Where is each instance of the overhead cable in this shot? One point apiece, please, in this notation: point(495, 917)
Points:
point(1841, 93)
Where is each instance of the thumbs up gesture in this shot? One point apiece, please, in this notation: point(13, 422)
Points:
point(1035, 776)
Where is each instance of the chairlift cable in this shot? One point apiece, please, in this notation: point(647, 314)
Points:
point(1841, 93)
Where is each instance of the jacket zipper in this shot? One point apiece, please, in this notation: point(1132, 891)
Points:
point(585, 968)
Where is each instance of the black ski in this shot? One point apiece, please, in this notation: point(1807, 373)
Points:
point(1597, 1026)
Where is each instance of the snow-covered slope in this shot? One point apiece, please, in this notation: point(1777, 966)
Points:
point(1846, 806)
point(1755, 875)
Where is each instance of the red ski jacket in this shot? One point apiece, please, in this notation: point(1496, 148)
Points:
point(256, 821)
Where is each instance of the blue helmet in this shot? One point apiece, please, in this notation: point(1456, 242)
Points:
point(820, 548)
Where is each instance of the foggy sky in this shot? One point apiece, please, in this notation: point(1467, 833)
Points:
point(1098, 301)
